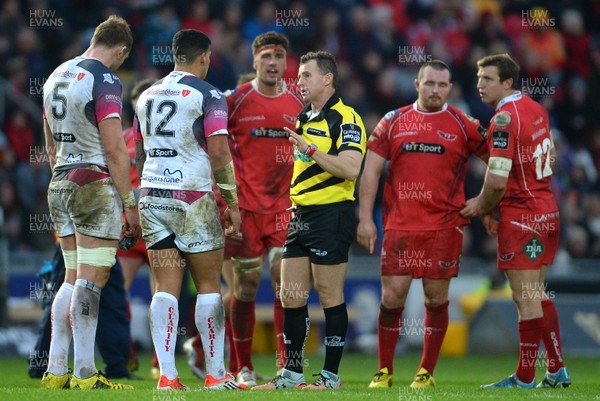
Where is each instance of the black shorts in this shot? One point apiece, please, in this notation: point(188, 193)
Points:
point(323, 233)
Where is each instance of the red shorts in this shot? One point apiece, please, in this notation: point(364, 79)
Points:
point(430, 254)
point(529, 243)
point(258, 233)
point(138, 251)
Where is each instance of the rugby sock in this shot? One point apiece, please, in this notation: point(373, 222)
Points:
point(388, 331)
point(551, 337)
point(296, 326)
point(164, 320)
point(85, 303)
point(436, 324)
point(336, 326)
point(210, 321)
point(278, 323)
point(58, 356)
point(232, 366)
point(530, 334)
point(242, 327)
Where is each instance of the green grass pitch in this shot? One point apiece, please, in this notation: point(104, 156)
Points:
point(457, 379)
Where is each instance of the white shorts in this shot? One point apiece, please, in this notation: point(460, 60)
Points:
point(192, 216)
point(85, 200)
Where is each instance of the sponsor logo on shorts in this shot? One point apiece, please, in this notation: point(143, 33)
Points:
point(197, 243)
point(420, 147)
point(160, 207)
point(505, 257)
point(268, 133)
point(351, 133)
point(162, 152)
point(533, 249)
point(63, 137)
point(59, 191)
point(447, 265)
point(318, 252)
point(500, 140)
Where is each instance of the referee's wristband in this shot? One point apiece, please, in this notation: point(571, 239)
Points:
point(310, 150)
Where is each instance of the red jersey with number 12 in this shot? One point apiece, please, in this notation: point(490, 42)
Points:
point(428, 153)
point(520, 130)
point(262, 153)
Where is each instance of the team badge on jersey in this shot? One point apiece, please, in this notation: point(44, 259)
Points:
point(447, 136)
point(500, 140)
point(501, 119)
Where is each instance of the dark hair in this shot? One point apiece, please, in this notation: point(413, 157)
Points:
point(437, 65)
point(115, 31)
point(139, 87)
point(189, 44)
point(325, 63)
point(507, 67)
point(269, 38)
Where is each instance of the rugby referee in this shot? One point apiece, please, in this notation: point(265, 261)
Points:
point(330, 143)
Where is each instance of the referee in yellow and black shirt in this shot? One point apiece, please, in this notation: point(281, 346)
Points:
point(330, 142)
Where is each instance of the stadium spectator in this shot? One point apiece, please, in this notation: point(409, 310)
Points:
point(329, 144)
point(180, 143)
point(89, 189)
point(428, 144)
point(518, 180)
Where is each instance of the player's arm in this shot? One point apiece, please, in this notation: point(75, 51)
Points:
point(50, 145)
point(117, 158)
point(345, 164)
point(366, 233)
point(493, 189)
point(223, 171)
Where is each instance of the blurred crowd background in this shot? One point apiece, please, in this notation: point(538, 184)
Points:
point(379, 45)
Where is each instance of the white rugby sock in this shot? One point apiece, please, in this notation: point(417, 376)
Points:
point(85, 303)
point(164, 320)
point(58, 356)
point(210, 321)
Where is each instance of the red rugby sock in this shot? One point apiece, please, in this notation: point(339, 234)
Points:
point(242, 327)
point(436, 324)
point(388, 331)
point(530, 334)
point(551, 337)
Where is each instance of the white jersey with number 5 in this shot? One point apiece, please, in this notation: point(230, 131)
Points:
point(174, 118)
point(78, 95)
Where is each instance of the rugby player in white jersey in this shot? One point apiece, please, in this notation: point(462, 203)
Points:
point(181, 141)
point(89, 189)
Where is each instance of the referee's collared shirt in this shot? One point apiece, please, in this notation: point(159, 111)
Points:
point(335, 129)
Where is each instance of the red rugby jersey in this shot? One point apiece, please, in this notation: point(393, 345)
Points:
point(428, 154)
point(262, 154)
point(520, 130)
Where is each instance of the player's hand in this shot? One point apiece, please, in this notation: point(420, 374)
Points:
point(471, 208)
point(233, 220)
point(490, 224)
point(366, 234)
point(297, 140)
point(132, 228)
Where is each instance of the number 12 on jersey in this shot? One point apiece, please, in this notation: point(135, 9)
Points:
point(541, 155)
point(171, 109)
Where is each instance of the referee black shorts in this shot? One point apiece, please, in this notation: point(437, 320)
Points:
point(323, 233)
